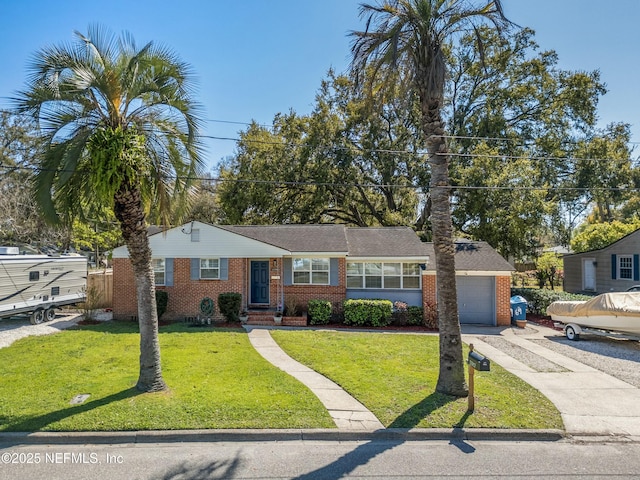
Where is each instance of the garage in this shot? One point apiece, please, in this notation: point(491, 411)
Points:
point(476, 299)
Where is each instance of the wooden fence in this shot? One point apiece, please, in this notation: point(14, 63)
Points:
point(101, 283)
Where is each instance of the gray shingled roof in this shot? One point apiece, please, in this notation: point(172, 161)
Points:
point(296, 238)
point(385, 242)
point(473, 256)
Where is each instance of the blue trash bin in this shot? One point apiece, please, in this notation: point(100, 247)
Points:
point(518, 308)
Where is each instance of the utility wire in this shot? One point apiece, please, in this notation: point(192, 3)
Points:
point(407, 152)
point(369, 185)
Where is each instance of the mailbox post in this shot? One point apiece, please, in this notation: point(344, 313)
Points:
point(476, 362)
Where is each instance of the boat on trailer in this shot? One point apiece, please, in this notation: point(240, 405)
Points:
point(39, 284)
point(617, 312)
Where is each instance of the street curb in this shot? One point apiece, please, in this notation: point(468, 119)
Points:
point(279, 435)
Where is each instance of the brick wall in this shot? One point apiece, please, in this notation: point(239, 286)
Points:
point(301, 294)
point(503, 297)
point(186, 294)
point(125, 303)
point(429, 294)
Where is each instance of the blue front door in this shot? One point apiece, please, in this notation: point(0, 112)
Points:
point(259, 282)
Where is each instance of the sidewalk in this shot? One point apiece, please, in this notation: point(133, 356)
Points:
point(591, 402)
point(593, 405)
point(346, 411)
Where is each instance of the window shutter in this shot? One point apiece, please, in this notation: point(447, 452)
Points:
point(287, 269)
point(195, 269)
point(636, 264)
point(614, 267)
point(224, 269)
point(334, 280)
point(168, 272)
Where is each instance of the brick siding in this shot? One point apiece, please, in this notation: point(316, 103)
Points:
point(503, 303)
point(186, 294)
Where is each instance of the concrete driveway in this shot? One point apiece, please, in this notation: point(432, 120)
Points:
point(591, 402)
point(15, 328)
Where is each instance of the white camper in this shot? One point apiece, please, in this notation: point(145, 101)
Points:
point(38, 284)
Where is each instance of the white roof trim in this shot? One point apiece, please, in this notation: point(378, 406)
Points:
point(476, 273)
point(424, 259)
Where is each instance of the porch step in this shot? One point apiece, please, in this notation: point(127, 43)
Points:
point(265, 318)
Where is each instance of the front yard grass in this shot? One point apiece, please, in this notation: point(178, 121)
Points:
point(216, 380)
point(395, 375)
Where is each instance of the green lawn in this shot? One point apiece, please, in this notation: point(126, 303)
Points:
point(395, 375)
point(216, 379)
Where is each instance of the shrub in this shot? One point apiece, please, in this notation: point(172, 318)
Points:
point(415, 315)
point(376, 313)
point(229, 305)
point(539, 299)
point(291, 307)
point(162, 300)
point(319, 312)
point(431, 315)
point(400, 313)
point(92, 300)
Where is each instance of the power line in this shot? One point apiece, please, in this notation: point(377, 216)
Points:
point(299, 183)
point(407, 152)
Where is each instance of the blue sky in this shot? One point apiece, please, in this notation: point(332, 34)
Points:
point(255, 58)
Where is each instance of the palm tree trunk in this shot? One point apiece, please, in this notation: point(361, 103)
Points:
point(451, 379)
point(129, 212)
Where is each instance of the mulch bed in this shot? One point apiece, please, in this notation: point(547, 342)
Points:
point(543, 320)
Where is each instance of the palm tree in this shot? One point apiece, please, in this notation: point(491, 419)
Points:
point(409, 36)
point(120, 129)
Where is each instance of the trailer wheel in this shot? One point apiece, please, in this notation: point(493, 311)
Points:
point(50, 314)
point(571, 334)
point(37, 317)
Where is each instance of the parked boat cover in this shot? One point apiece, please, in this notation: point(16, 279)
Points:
point(618, 303)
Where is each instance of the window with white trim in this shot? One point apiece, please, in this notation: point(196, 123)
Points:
point(374, 275)
point(625, 267)
point(311, 271)
point(210, 268)
point(158, 270)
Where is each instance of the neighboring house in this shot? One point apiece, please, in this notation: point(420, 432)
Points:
point(610, 269)
point(271, 265)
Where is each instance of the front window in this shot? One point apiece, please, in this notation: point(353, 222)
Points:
point(210, 268)
point(158, 270)
point(625, 267)
point(311, 271)
point(383, 275)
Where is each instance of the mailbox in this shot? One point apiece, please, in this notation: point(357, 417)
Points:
point(478, 362)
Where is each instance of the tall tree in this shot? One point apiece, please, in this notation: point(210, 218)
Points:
point(411, 35)
point(120, 128)
point(515, 99)
point(21, 221)
point(349, 161)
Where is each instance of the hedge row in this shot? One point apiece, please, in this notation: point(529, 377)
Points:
point(539, 299)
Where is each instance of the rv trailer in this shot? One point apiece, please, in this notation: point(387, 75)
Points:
point(39, 284)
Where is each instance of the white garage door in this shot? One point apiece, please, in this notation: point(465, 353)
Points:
point(476, 299)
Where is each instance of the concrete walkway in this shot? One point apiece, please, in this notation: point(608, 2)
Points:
point(346, 411)
point(591, 402)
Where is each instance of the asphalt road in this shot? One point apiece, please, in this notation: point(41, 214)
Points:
point(381, 459)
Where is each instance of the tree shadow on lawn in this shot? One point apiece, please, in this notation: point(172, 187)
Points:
point(409, 419)
point(37, 423)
